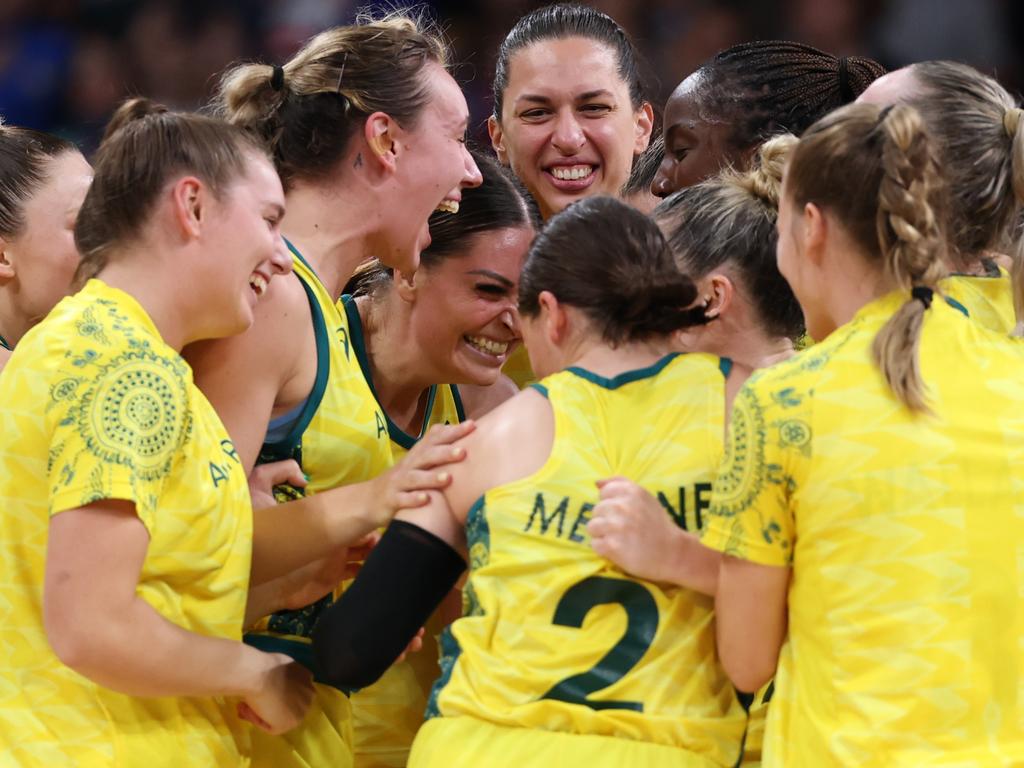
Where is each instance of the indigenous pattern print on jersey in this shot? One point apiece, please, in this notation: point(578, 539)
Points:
point(554, 637)
point(906, 538)
point(94, 406)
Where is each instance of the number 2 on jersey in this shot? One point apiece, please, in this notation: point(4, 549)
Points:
point(641, 625)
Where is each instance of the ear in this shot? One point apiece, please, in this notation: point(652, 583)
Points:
point(497, 139)
point(379, 131)
point(816, 232)
point(556, 322)
point(189, 203)
point(644, 128)
point(7, 270)
point(718, 294)
point(405, 285)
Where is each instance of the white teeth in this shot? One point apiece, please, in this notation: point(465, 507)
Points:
point(258, 283)
point(572, 172)
point(486, 345)
point(448, 206)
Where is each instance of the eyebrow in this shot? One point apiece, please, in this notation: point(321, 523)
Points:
point(493, 275)
point(536, 98)
point(688, 125)
point(278, 209)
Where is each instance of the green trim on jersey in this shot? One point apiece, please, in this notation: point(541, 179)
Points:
point(624, 378)
point(725, 366)
point(957, 305)
point(5, 345)
point(285, 449)
point(396, 433)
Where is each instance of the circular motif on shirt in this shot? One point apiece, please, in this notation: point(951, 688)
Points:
point(743, 475)
point(795, 433)
point(135, 413)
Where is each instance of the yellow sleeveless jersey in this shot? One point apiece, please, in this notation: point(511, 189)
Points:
point(94, 405)
point(906, 539)
point(987, 299)
point(555, 637)
point(387, 715)
point(340, 438)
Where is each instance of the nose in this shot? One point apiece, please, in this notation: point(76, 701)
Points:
point(662, 184)
point(473, 177)
point(567, 136)
point(281, 261)
point(510, 319)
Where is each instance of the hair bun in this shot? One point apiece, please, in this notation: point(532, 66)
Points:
point(133, 109)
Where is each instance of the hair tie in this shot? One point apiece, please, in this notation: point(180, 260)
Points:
point(845, 91)
point(341, 73)
point(1011, 120)
point(923, 294)
point(277, 78)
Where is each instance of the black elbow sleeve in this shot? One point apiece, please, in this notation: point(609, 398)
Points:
point(402, 582)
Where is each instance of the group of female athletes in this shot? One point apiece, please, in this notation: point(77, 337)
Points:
point(244, 343)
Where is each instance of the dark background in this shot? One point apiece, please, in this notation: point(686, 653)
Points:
point(65, 64)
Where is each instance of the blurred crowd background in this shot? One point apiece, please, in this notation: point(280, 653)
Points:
point(65, 64)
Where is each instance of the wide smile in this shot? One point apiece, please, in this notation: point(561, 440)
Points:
point(450, 204)
point(493, 349)
point(571, 178)
point(258, 282)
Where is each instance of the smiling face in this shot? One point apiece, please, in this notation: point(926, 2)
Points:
point(695, 147)
point(568, 128)
point(464, 311)
point(42, 255)
point(244, 246)
point(432, 165)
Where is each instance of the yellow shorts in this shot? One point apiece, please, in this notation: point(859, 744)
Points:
point(323, 739)
point(444, 742)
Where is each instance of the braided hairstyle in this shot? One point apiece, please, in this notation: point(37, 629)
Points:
point(771, 86)
point(895, 213)
point(730, 220)
point(610, 261)
point(977, 128)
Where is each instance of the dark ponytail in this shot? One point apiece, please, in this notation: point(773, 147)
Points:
point(609, 260)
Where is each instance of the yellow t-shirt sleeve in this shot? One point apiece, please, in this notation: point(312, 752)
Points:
point(115, 431)
point(751, 515)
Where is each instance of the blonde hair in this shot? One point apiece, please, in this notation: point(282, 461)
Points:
point(730, 219)
point(894, 211)
point(978, 133)
point(308, 110)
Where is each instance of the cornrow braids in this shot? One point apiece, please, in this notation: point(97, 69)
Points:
point(767, 87)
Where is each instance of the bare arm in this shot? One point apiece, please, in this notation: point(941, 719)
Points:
point(98, 625)
point(750, 614)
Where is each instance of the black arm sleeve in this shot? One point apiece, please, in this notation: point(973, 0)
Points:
point(403, 581)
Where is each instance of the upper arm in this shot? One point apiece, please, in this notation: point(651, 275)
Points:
point(438, 518)
point(94, 556)
point(479, 401)
point(243, 375)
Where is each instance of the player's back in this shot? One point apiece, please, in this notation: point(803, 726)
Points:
point(557, 638)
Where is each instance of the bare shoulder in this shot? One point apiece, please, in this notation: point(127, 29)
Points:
point(479, 401)
point(511, 442)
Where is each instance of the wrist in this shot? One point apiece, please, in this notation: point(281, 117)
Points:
point(254, 667)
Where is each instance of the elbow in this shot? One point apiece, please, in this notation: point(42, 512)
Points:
point(71, 642)
point(748, 672)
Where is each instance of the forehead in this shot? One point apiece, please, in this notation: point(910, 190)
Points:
point(682, 104)
point(571, 65)
point(891, 88)
point(446, 102)
point(67, 174)
point(260, 180)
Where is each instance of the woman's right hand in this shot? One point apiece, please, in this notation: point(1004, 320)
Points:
point(405, 485)
point(284, 694)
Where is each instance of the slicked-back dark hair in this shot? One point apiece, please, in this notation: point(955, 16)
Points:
point(24, 155)
point(564, 20)
point(607, 259)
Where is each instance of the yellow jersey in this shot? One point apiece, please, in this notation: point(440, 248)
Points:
point(94, 405)
point(987, 299)
point(387, 714)
point(555, 637)
point(905, 534)
point(340, 438)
